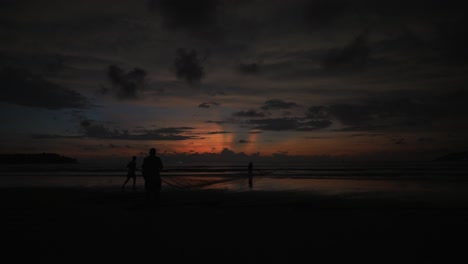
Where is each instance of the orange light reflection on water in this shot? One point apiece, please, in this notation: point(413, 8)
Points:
point(435, 192)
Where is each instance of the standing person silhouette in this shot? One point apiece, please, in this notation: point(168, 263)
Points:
point(150, 169)
point(131, 166)
point(250, 174)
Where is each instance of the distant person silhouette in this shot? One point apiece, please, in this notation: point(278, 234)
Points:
point(250, 174)
point(150, 169)
point(131, 166)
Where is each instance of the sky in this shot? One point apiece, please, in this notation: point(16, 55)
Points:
point(248, 78)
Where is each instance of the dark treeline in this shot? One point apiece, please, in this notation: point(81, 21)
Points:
point(41, 158)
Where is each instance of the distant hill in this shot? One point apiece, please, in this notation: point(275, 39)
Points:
point(458, 156)
point(41, 158)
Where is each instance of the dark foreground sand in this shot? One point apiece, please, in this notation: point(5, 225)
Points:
point(89, 225)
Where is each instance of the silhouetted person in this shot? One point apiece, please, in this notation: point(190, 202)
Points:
point(250, 174)
point(131, 166)
point(150, 169)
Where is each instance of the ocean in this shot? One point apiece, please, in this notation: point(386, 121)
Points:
point(439, 181)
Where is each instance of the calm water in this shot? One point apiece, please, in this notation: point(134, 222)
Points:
point(385, 170)
point(439, 182)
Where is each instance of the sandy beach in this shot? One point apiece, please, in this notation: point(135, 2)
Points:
point(219, 225)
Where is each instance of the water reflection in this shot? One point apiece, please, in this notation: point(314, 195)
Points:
point(435, 191)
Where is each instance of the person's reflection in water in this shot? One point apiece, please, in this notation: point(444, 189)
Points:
point(250, 174)
point(150, 169)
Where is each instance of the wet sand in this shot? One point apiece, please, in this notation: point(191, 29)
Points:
point(222, 226)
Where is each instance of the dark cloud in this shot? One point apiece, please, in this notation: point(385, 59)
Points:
point(277, 104)
point(49, 136)
point(359, 128)
point(126, 85)
point(56, 64)
point(451, 40)
point(352, 116)
point(354, 55)
point(99, 131)
point(218, 132)
point(358, 114)
point(8, 3)
point(196, 17)
point(425, 139)
point(318, 112)
point(20, 86)
point(248, 113)
point(85, 123)
point(389, 15)
point(403, 12)
point(414, 110)
point(188, 67)
point(313, 125)
point(243, 141)
point(249, 68)
point(281, 124)
point(38, 62)
point(208, 105)
point(204, 105)
point(367, 135)
point(186, 13)
point(323, 12)
point(215, 122)
point(276, 124)
point(173, 130)
point(399, 141)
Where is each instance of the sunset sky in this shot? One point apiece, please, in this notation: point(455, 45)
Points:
point(112, 78)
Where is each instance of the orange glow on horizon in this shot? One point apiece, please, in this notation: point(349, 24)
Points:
point(265, 143)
